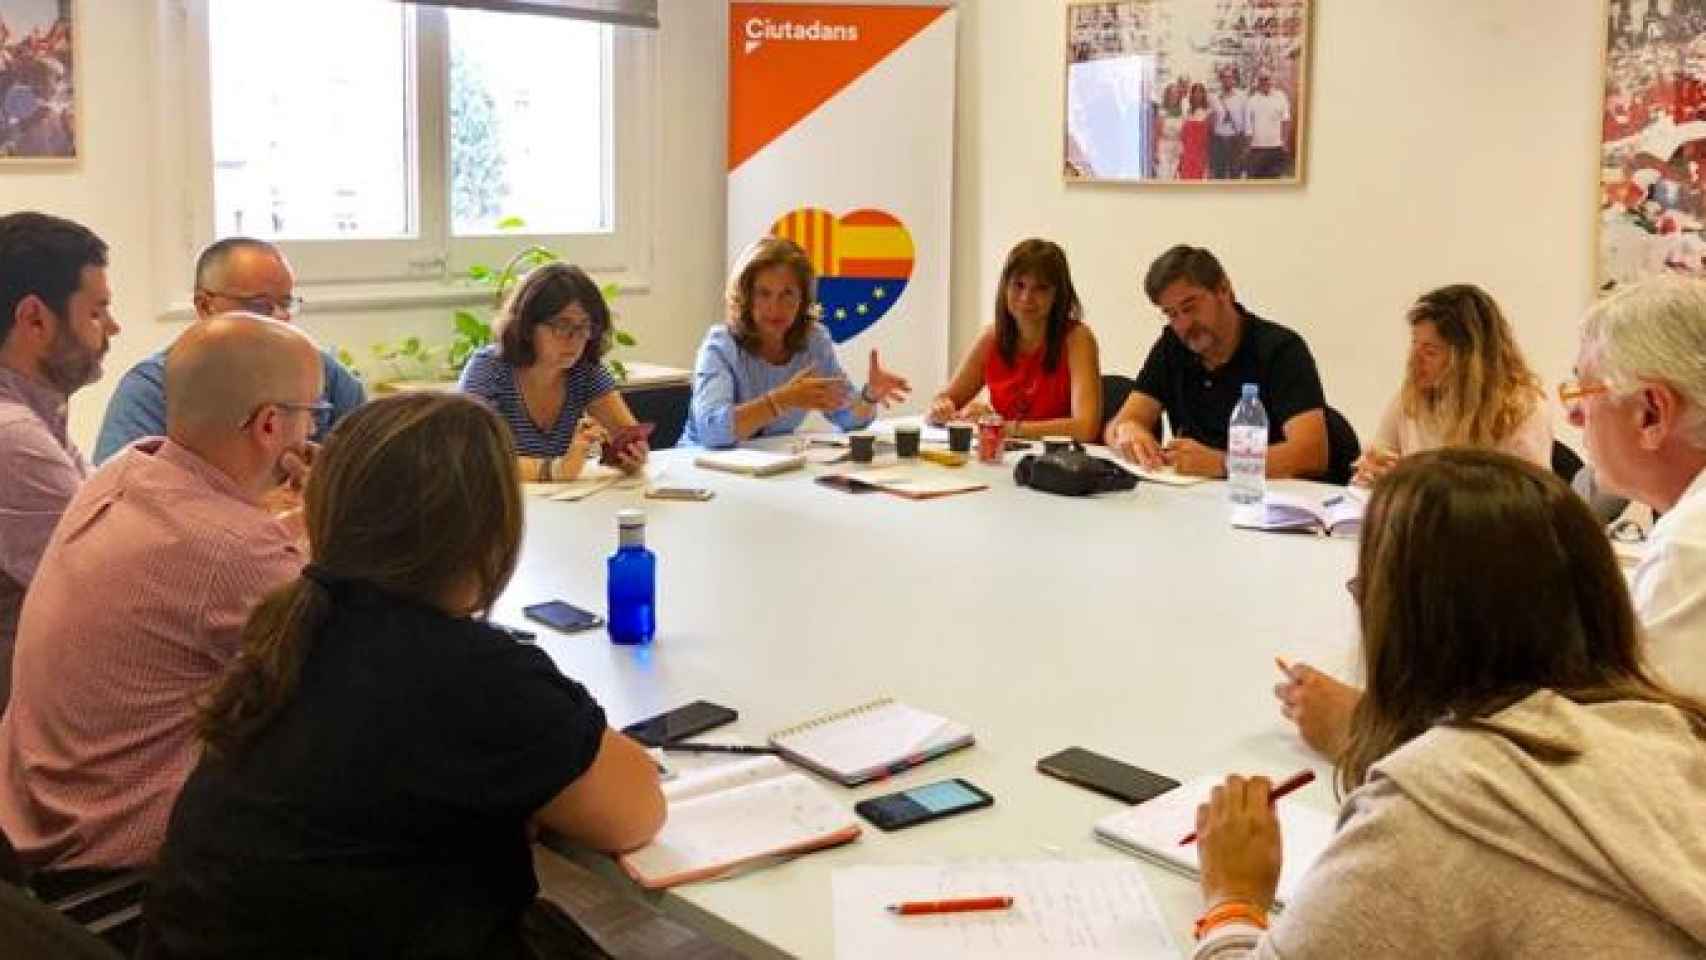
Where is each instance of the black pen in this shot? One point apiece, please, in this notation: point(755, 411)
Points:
point(717, 748)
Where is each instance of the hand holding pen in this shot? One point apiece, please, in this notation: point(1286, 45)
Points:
point(1238, 840)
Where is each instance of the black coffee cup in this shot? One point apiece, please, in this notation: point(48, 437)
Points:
point(863, 446)
point(959, 437)
point(906, 441)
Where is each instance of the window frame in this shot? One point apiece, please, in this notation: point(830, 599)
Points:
point(354, 271)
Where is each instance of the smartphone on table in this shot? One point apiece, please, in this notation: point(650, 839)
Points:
point(619, 440)
point(680, 723)
point(680, 493)
point(932, 801)
point(1105, 775)
point(564, 616)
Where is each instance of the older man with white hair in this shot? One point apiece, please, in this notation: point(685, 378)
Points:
point(1640, 399)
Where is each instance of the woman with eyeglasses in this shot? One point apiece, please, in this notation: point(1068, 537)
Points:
point(1466, 384)
point(770, 363)
point(1038, 358)
point(546, 376)
point(1516, 781)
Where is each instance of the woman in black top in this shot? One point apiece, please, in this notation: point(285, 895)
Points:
point(378, 753)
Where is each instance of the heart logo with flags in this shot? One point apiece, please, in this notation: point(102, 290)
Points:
point(863, 261)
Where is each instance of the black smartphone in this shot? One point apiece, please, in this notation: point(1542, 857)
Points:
point(563, 616)
point(933, 801)
point(680, 723)
point(1105, 775)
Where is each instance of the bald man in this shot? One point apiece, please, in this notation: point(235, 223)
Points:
point(140, 600)
point(237, 273)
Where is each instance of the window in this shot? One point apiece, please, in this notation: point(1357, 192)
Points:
point(382, 141)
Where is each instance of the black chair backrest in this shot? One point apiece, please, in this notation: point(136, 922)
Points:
point(11, 868)
point(1343, 448)
point(1565, 463)
point(30, 928)
point(1115, 389)
point(665, 407)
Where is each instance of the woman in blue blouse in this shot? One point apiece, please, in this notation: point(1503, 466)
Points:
point(545, 376)
point(760, 372)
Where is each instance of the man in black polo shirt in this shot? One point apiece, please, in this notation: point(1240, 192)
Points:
point(1209, 349)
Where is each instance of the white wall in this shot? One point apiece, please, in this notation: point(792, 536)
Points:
point(1448, 141)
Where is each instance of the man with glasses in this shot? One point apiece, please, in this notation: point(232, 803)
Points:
point(1210, 346)
point(236, 273)
point(1639, 398)
point(55, 326)
point(140, 600)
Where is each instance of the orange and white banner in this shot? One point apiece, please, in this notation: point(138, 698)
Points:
point(841, 122)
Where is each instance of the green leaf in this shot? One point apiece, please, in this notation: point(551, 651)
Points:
point(479, 273)
point(471, 327)
point(625, 338)
point(412, 347)
point(610, 291)
point(511, 223)
point(620, 369)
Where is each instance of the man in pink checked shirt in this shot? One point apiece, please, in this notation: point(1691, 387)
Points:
point(140, 600)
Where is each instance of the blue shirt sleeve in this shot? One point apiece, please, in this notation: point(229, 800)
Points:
point(137, 409)
point(343, 391)
point(711, 413)
point(822, 350)
point(482, 376)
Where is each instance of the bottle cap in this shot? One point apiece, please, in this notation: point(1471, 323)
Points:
point(630, 518)
point(1249, 389)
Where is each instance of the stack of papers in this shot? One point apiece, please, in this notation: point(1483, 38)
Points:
point(1093, 910)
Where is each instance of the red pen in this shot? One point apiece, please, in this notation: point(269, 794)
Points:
point(913, 908)
point(1291, 783)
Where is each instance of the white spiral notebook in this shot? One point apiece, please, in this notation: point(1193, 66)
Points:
point(869, 741)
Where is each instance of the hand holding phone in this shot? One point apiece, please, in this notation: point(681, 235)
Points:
point(619, 440)
point(933, 801)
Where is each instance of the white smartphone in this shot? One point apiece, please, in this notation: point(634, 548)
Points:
point(680, 493)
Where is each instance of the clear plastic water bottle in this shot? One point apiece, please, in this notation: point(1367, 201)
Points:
point(632, 584)
point(1247, 449)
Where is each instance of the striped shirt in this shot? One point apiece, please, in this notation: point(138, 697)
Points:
point(136, 608)
point(490, 377)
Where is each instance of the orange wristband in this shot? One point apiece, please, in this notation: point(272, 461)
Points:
point(1230, 911)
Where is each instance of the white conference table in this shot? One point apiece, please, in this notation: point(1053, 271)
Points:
point(1138, 624)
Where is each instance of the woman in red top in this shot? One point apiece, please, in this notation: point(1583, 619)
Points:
point(1193, 161)
point(1038, 358)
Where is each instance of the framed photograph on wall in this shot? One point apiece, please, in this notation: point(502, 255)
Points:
point(1186, 91)
point(1652, 155)
point(38, 95)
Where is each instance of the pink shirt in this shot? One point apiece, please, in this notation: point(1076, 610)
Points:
point(137, 607)
point(1531, 440)
point(43, 468)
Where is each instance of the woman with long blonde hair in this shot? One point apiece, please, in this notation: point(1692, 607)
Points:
point(1466, 385)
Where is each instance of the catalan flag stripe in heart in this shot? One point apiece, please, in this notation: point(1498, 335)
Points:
point(863, 261)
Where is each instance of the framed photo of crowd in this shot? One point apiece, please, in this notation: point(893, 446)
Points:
point(1652, 157)
point(1186, 91)
point(38, 108)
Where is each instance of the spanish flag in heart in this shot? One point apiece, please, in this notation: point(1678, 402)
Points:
point(863, 261)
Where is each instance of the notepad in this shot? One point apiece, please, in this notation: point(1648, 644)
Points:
point(914, 483)
point(750, 462)
point(1091, 910)
point(1152, 830)
point(1338, 516)
point(870, 741)
point(1166, 476)
point(735, 816)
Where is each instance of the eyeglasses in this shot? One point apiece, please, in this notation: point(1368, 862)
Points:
point(1572, 392)
point(1627, 530)
point(263, 304)
point(568, 328)
point(321, 410)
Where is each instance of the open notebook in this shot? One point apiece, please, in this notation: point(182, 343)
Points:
point(913, 483)
point(870, 741)
point(1152, 830)
point(1338, 516)
point(734, 815)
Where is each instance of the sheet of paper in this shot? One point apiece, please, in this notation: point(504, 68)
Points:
point(868, 740)
point(1089, 910)
point(1166, 476)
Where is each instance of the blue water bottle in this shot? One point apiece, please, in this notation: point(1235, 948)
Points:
point(632, 586)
